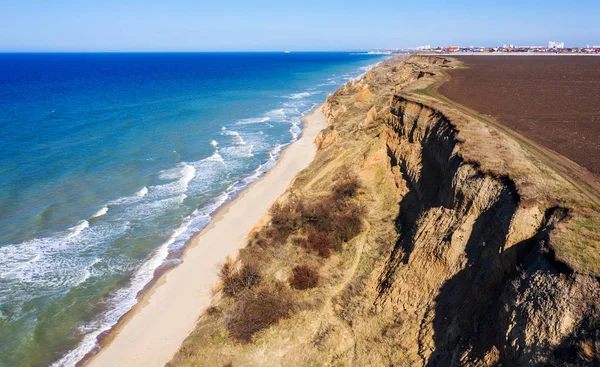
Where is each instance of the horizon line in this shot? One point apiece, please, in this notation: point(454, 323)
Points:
point(199, 51)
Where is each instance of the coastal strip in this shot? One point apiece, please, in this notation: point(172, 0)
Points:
point(155, 328)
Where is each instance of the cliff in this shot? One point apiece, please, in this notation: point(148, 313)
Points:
point(429, 238)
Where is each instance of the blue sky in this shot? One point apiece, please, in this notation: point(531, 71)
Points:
point(262, 25)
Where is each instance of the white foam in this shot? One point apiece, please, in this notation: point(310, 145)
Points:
point(255, 120)
point(188, 173)
point(276, 114)
point(171, 173)
point(76, 230)
point(237, 136)
point(100, 212)
point(49, 258)
point(87, 273)
point(329, 83)
point(216, 157)
point(143, 192)
point(214, 143)
point(295, 131)
point(183, 174)
point(120, 302)
point(55, 262)
point(125, 298)
point(130, 199)
point(299, 95)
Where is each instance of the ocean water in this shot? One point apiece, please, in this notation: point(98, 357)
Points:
point(109, 163)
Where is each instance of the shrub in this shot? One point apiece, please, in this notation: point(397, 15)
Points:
point(236, 283)
point(346, 187)
point(304, 277)
point(285, 219)
point(264, 238)
point(254, 312)
point(328, 221)
point(213, 311)
point(319, 215)
point(283, 216)
point(320, 242)
point(349, 222)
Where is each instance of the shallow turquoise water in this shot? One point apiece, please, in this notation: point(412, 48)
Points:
point(110, 162)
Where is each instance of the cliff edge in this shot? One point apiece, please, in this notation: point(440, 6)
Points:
point(419, 236)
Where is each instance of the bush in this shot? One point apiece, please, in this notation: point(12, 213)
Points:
point(235, 283)
point(213, 311)
point(283, 216)
point(349, 222)
point(304, 277)
point(346, 187)
point(319, 215)
point(254, 312)
point(320, 242)
point(328, 221)
point(285, 219)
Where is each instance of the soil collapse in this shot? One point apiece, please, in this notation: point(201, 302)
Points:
point(418, 236)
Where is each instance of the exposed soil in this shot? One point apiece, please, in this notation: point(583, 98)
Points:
point(554, 101)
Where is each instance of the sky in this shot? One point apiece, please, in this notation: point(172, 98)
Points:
point(308, 25)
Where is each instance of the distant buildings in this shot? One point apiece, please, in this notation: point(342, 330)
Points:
point(556, 45)
point(553, 48)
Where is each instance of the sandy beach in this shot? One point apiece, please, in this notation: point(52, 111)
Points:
point(155, 328)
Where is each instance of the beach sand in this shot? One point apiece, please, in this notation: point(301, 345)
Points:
point(152, 332)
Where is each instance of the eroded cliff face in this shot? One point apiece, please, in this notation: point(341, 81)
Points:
point(468, 254)
point(471, 278)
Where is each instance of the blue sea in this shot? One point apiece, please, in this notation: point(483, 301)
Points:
point(110, 162)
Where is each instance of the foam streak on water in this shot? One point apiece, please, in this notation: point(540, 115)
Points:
point(98, 232)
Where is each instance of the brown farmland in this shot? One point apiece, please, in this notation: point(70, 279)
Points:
point(552, 100)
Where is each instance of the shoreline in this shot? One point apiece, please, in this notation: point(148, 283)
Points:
point(166, 312)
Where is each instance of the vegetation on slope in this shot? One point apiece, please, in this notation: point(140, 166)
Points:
point(450, 243)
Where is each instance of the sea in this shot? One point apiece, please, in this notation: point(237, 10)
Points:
point(110, 162)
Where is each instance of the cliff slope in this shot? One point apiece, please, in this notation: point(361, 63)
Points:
point(418, 236)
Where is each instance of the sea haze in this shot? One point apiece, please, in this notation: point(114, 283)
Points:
point(110, 162)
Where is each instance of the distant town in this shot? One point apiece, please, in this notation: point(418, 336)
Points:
point(552, 47)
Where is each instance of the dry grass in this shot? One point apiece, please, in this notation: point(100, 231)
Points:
point(257, 300)
point(291, 319)
point(300, 255)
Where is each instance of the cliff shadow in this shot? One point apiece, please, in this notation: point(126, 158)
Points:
point(433, 188)
point(468, 303)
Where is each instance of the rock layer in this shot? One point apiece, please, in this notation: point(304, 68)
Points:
point(472, 252)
